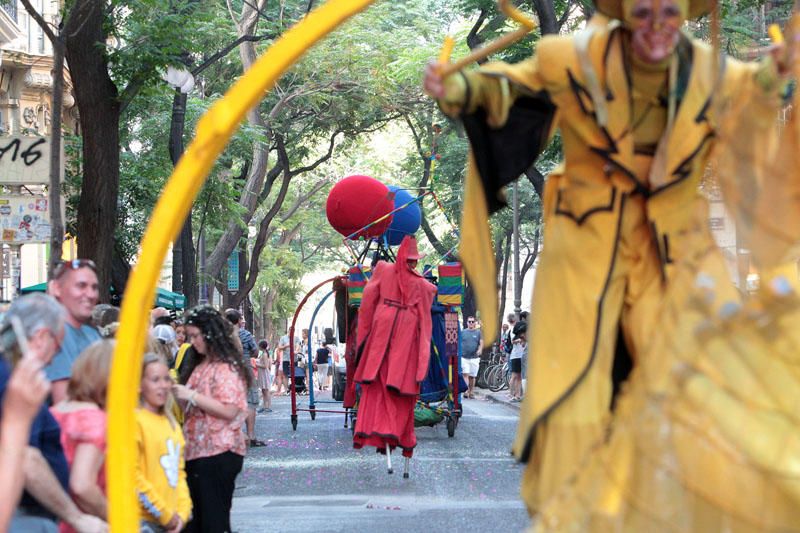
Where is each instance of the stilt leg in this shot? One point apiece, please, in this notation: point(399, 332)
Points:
point(405, 468)
point(389, 458)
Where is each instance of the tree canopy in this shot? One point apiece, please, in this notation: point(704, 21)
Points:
point(354, 104)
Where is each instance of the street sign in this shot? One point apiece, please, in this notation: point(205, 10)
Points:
point(25, 160)
point(24, 219)
point(233, 271)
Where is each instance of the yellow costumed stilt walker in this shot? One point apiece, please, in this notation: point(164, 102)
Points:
point(629, 260)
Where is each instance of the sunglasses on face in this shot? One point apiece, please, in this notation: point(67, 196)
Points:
point(74, 264)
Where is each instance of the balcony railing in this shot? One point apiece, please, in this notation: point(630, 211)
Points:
point(10, 7)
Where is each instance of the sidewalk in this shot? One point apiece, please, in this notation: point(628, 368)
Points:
point(496, 397)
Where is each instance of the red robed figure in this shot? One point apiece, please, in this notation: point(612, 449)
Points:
point(394, 339)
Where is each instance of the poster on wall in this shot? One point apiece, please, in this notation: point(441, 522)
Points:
point(24, 219)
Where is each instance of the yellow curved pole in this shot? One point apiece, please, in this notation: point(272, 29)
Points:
point(526, 23)
point(213, 132)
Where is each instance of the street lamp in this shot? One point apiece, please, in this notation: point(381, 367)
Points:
point(183, 276)
point(517, 277)
point(179, 79)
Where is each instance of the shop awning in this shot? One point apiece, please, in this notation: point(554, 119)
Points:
point(164, 298)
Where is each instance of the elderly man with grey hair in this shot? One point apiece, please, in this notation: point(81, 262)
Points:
point(45, 470)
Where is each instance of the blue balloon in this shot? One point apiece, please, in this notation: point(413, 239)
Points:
point(406, 221)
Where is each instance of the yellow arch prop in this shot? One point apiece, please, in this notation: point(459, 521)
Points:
point(213, 132)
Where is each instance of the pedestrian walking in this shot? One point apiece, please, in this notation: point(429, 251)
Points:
point(264, 378)
point(323, 359)
point(471, 348)
point(518, 350)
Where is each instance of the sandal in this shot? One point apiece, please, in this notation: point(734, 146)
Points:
point(255, 443)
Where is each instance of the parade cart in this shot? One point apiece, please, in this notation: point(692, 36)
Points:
point(312, 400)
point(440, 392)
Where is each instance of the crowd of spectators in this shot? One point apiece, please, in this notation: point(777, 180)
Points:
point(202, 379)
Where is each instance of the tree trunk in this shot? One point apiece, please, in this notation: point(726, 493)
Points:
point(470, 305)
point(56, 216)
point(537, 180)
point(440, 248)
point(188, 272)
point(268, 304)
point(97, 99)
point(504, 280)
point(255, 180)
point(287, 236)
point(120, 270)
point(545, 11)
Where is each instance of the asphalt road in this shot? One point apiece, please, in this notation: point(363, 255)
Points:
point(312, 480)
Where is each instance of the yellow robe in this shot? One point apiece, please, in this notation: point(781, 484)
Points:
point(619, 233)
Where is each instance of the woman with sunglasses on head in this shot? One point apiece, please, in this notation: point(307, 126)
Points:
point(213, 390)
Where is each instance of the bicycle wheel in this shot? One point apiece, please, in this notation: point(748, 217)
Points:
point(506, 373)
point(483, 377)
point(496, 379)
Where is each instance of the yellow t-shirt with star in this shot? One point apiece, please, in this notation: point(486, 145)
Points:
point(160, 474)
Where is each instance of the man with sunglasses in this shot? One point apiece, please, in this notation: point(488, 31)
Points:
point(471, 348)
point(75, 286)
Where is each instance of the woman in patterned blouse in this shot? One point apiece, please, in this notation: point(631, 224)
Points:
point(213, 391)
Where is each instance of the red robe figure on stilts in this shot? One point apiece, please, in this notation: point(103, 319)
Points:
point(394, 338)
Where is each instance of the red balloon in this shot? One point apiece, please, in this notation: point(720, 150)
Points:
point(355, 202)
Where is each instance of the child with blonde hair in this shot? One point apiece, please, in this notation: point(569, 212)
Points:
point(161, 475)
point(82, 418)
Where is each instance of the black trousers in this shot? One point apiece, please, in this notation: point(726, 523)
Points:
point(211, 482)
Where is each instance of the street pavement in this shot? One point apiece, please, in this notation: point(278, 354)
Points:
point(312, 480)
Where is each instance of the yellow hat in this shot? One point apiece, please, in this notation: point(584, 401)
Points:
point(614, 9)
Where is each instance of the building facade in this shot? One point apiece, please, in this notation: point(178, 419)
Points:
point(26, 90)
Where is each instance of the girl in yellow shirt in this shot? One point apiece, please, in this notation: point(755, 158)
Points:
point(161, 477)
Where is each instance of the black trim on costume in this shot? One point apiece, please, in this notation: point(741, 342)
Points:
point(682, 171)
point(638, 187)
point(580, 91)
point(580, 219)
point(667, 259)
point(702, 115)
point(612, 144)
point(661, 242)
point(661, 265)
point(621, 368)
point(526, 451)
point(645, 149)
